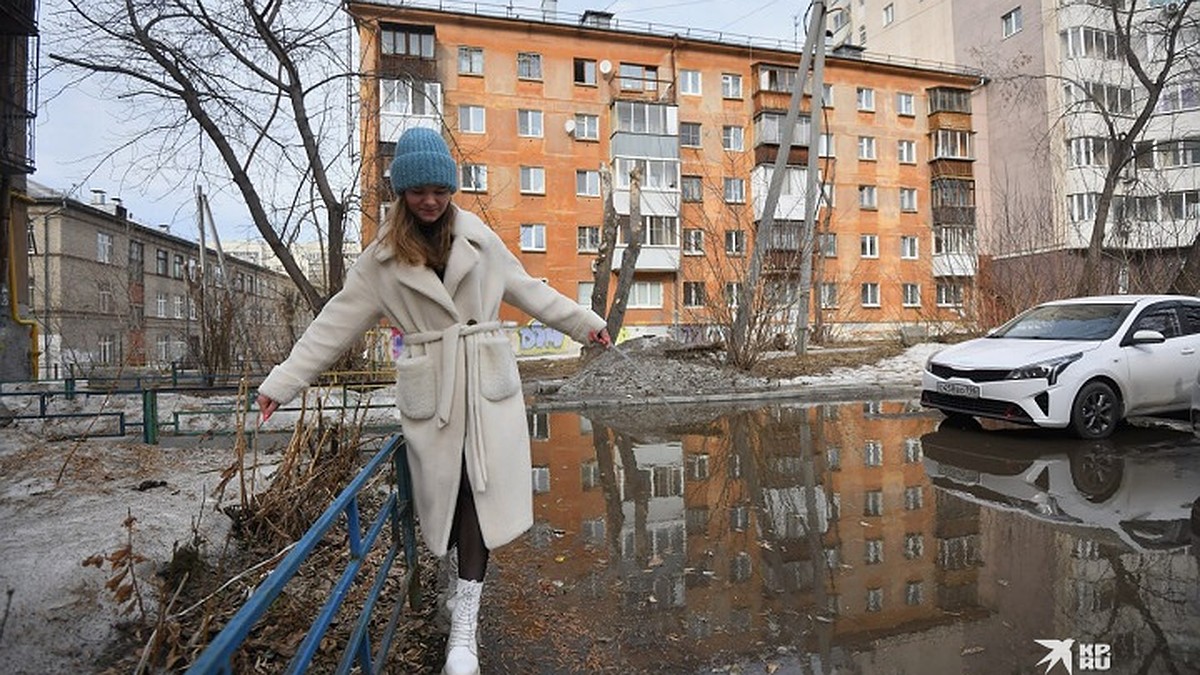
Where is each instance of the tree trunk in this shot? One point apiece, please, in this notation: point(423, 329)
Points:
point(633, 248)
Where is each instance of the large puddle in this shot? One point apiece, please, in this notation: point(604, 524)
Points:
point(848, 538)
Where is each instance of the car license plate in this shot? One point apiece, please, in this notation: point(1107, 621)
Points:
point(958, 389)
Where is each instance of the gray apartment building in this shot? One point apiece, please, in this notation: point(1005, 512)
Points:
point(111, 295)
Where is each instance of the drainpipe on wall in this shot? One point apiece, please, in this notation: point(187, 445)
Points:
point(35, 354)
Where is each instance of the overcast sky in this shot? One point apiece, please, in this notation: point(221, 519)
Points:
point(80, 130)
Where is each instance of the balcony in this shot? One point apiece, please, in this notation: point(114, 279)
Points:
point(954, 265)
point(954, 215)
point(651, 258)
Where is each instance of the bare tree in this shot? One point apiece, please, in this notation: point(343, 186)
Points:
point(259, 84)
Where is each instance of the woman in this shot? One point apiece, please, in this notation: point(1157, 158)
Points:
point(439, 274)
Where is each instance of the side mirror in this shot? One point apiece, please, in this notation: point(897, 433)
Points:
point(1148, 337)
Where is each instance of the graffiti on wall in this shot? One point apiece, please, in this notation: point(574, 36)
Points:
point(535, 339)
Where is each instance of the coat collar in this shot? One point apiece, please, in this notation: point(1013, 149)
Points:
point(464, 256)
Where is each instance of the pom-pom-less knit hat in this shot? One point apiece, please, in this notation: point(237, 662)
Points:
point(422, 158)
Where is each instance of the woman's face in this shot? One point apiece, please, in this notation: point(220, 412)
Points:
point(427, 202)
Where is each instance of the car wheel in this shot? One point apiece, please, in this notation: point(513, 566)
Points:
point(1096, 411)
point(960, 421)
point(1097, 474)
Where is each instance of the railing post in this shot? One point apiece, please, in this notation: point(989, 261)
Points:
point(69, 388)
point(150, 416)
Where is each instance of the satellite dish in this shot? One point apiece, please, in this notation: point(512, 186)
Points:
point(569, 127)
point(605, 67)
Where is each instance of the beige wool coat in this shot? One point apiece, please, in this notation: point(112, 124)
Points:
point(457, 387)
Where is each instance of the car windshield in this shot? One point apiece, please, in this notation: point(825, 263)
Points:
point(1066, 322)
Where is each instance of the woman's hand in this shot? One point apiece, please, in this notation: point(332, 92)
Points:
point(266, 407)
point(600, 337)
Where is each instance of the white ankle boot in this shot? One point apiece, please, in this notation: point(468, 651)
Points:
point(462, 649)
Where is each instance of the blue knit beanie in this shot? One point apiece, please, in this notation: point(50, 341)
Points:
point(422, 158)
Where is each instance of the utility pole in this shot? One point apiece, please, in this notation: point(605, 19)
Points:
point(813, 195)
point(746, 305)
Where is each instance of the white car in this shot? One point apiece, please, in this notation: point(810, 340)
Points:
point(1083, 364)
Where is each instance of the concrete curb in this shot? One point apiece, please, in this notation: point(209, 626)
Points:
point(543, 394)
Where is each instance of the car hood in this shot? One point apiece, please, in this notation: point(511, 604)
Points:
point(996, 353)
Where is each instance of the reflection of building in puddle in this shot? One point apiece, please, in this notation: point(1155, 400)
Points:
point(799, 527)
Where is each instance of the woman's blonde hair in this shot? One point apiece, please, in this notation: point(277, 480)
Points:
point(403, 234)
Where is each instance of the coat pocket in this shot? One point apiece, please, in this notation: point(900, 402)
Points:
point(498, 376)
point(416, 386)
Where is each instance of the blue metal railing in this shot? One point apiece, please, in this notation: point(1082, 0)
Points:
point(397, 511)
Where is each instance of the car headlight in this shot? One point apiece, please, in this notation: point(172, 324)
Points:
point(1049, 369)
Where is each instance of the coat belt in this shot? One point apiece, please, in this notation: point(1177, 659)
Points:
point(454, 338)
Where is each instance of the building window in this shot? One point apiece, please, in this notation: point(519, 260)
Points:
point(407, 41)
point(913, 593)
point(472, 119)
point(866, 147)
point(587, 239)
point(689, 82)
point(735, 242)
point(889, 14)
point(474, 178)
point(584, 291)
point(656, 231)
point(636, 77)
point(191, 306)
point(912, 294)
point(529, 66)
point(405, 97)
point(692, 189)
point(106, 296)
point(529, 123)
point(137, 255)
point(731, 85)
point(733, 138)
point(585, 72)
point(873, 503)
point(160, 305)
point(644, 118)
point(827, 244)
point(906, 152)
point(949, 294)
point(533, 180)
point(689, 134)
point(869, 245)
point(733, 295)
point(950, 144)
point(694, 294)
point(533, 237)
point(1086, 42)
point(178, 306)
point(874, 552)
point(865, 96)
point(906, 105)
point(541, 479)
point(866, 197)
point(161, 262)
point(587, 183)
point(947, 240)
point(735, 191)
point(177, 266)
point(912, 450)
point(914, 546)
point(645, 295)
point(1011, 22)
point(914, 498)
point(908, 200)
point(693, 241)
point(870, 294)
point(470, 60)
point(945, 99)
point(104, 247)
point(833, 457)
point(829, 295)
point(107, 353)
point(862, 36)
point(587, 127)
point(909, 247)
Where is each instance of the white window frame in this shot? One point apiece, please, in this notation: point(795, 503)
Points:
point(160, 305)
point(533, 237)
point(1011, 22)
point(587, 127)
point(529, 66)
point(645, 295)
point(533, 180)
point(586, 68)
point(470, 60)
point(949, 294)
point(908, 200)
point(911, 295)
point(733, 292)
point(868, 245)
point(906, 104)
point(587, 183)
point(104, 247)
point(733, 137)
point(889, 14)
point(868, 197)
point(105, 291)
point(735, 243)
point(472, 119)
point(906, 151)
point(865, 99)
point(870, 294)
point(105, 349)
point(829, 294)
point(695, 294)
point(473, 177)
point(530, 123)
point(735, 191)
point(691, 189)
point(910, 247)
point(827, 244)
point(398, 96)
point(731, 85)
point(587, 238)
point(583, 292)
point(866, 148)
point(693, 241)
point(690, 82)
point(685, 139)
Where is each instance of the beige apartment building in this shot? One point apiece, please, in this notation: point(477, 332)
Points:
point(534, 102)
point(112, 296)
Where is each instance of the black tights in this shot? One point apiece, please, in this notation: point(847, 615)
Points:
point(466, 535)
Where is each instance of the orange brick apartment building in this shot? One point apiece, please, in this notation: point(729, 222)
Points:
point(534, 102)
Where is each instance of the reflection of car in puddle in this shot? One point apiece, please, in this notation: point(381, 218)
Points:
point(1140, 485)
